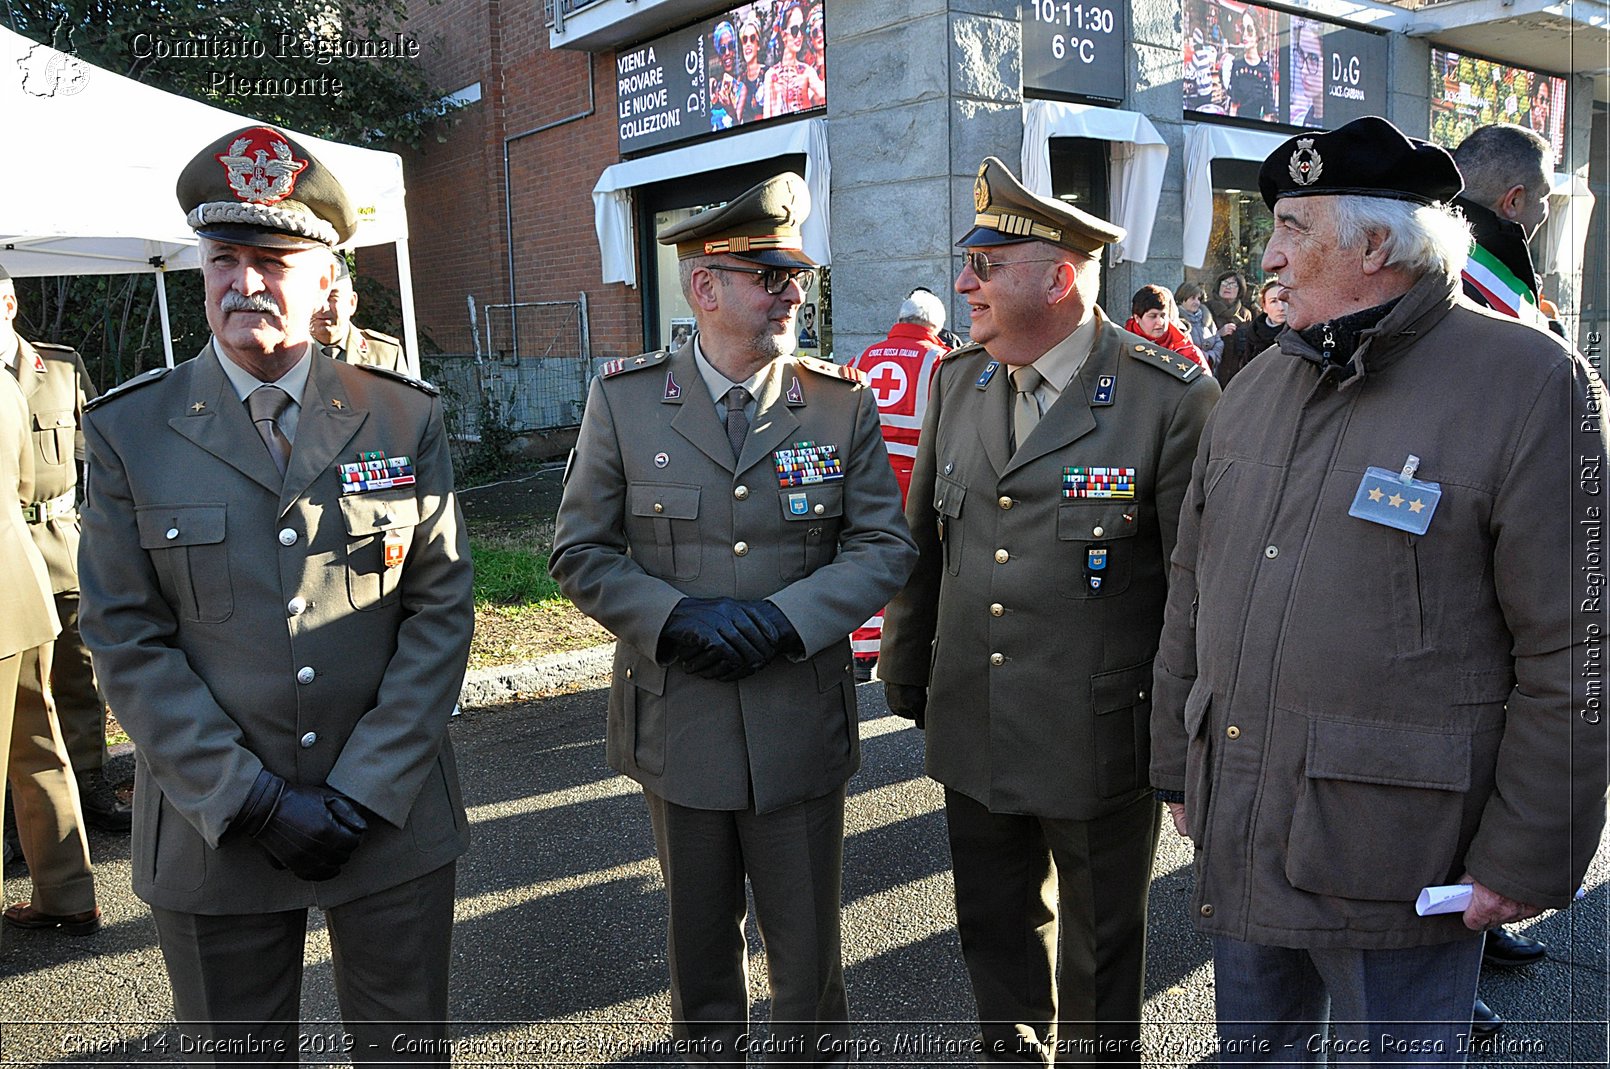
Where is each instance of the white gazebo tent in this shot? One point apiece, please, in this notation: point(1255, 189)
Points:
point(99, 198)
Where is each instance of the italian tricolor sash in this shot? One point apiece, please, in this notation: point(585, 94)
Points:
point(1503, 291)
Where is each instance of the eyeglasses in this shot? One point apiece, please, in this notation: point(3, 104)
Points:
point(795, 30)
point(774, 279)
point(724, 44)
point(747, 37)
point(982, 266)
point(1309, 61)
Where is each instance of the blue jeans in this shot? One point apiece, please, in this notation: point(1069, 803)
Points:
point(1275, 1005)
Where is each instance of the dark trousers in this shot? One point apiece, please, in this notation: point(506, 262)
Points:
point(78, 702)
point(794, 859)
point(1052, 916)
point(237, 979)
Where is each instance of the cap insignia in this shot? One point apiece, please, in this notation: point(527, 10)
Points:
point(980, 192)
point(1305, 166)
point(262, 168)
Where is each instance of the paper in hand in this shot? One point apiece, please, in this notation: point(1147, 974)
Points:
point(1452, 898)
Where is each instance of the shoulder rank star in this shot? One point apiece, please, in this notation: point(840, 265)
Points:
point(199, 406)
point(336, 402)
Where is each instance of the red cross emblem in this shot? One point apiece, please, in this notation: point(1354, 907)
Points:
point(888, 382)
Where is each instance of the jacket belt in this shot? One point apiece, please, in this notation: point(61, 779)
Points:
point(55, 508)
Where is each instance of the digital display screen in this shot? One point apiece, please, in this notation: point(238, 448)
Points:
point(757, 61)
point(1467, 92)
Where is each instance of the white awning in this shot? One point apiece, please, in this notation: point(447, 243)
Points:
point(612, 196)
point(1135, 164)
point(1204, 143)
point(1565, 235)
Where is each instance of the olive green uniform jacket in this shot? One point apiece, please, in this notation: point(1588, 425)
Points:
point(53, 381)
point(241, 621)
point(1039, 683)
point(373, 348)
point(656, 509)
point(1355, 712)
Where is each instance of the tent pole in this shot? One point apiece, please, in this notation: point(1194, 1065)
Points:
point(405, 286)
point(162, 310)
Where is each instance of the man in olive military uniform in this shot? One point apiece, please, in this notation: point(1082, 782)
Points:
point(730, 514)
point(339, 337)
point(28, 623)
point(277, 591)
point(49, 815)
point(1044, 498)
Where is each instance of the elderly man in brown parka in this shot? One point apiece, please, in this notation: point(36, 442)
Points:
point(1377, 618)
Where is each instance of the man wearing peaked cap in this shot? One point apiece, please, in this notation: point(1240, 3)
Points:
point(1049, 472)
point(730, 515)
point(340, 338)
point(1365, 680)
point(276, 586)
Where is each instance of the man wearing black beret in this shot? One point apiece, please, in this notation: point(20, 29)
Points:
point(1375, 622)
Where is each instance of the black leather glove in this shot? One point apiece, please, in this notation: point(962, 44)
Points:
point(312, 831)
point(716, 638)
point(907, 701)
point(784, 639)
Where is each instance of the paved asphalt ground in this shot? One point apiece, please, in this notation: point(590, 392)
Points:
point(559, 937)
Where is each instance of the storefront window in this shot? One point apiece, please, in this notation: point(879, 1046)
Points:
point(1079, 177)
point(1241, 225)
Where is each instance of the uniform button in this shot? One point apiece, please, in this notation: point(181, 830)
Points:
point(173, 532)
point(1001, 556)
point(658, 507)
point(1098, 531)
point(1005, 502)
point(1207, 909)
point(741, 548)
point(308, 740)
point(741, 493)
point(950, 467)
point(1232, 732)
point(287, 537)
point(997, 659)
point(997, 609)
point(305, 674)
point(296, 606)
point(1271, 552)
point(819, 509)
point(1141, 696)
point(628, 673)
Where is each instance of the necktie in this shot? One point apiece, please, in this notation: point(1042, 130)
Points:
point(737, 421)
point(333, 352)
point(267, 404)
point(1026, 408)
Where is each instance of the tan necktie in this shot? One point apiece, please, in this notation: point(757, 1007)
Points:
point(267, 404)
point(737, 420)
point(1026, 408)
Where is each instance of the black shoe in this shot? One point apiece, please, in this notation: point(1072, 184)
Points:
point(104, 809)
point(863, 669)
point(1506, 950)
point(1484, 1023)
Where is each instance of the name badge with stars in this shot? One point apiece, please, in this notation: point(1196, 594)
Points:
point(1110, 483)
point(376, 471)
point(806, 463)
point(1396, 498)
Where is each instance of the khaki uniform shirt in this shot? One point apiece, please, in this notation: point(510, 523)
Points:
point(53, 382)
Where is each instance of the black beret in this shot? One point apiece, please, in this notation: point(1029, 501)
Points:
point(258, 187)
point(760, 225)
point(1368, 157)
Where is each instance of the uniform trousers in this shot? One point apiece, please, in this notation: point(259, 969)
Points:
point(237, 979)
point(50, 821)
point(794, 858)
point(1411, 1005)
point(79, 707)
point(1052, 917)
point(9, 666)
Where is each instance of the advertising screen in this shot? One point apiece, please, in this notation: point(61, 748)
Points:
point(753, 62)
point(1075, 49)
point(1257, 63)
point(1467, 92)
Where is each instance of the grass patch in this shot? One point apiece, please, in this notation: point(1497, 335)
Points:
point(508, 574)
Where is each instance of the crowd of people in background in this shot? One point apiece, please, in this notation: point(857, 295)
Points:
point(768, 60)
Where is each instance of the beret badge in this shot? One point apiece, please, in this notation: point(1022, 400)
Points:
point(1305, 165)
point(261, 167)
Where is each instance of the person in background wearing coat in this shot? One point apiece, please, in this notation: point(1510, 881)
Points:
point(1506, 200)
point(277, 590)
point(1365, 686)
point(1154, 316)
point(28, 622)
point(1050, 470)
point(730, 515)
point(1204, 331)
point(1256, 336)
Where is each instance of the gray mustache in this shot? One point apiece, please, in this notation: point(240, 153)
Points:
point(239, 302)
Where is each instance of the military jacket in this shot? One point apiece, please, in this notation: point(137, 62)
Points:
point(53, 380)
point(27, 611)
point(316, 625)
point(1034, 611)
point(656, 509)
point(373, 348)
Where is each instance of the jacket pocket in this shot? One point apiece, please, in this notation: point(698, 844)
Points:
point(1122, 703)
point(1198, 759)
point(438, 812)
point(643, 711)
point(1098, 540)
point(835, 684)
point(811, 516)
point(53, 436)
point(186, 545)
point(663, 529)
point(1378, 812)
point(1409, 619)
point(949, 496)
point(380, 532)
